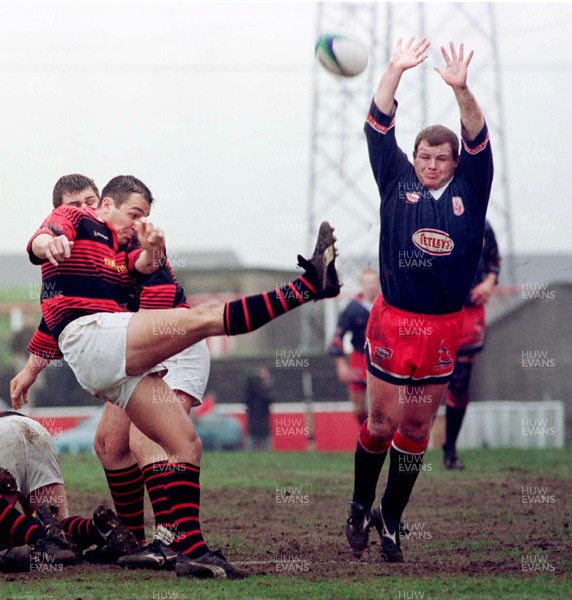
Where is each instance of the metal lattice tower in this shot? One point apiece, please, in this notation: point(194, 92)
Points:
point(342, 189)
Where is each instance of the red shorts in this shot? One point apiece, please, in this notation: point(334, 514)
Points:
point(358, 365)
point(473, 334)
point(406, 348)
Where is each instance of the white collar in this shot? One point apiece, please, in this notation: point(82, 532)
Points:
point(439, 191)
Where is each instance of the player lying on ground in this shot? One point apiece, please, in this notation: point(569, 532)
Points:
point(432, 221)
point(30, 474)
point(117, 355)
point(131, 460)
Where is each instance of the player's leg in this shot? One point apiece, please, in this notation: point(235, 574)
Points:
point(183, 471)
point(357, 388)
point(457, 400)
point(357, 395)
point(122, 472)
point(155, 335)
point(373, 443)
point(419, 406)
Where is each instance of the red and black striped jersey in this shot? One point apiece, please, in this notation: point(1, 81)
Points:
point(97, 277)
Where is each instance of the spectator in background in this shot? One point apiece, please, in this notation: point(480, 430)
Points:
point(353, 318)
point(258, 396)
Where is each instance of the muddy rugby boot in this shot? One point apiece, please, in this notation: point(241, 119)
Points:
point(211, 565)
point(322, 265)
point(389, 534)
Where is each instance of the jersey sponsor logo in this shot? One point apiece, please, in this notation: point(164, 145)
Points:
point(458, 206)
point(101, 235)
point(412, 197)
point(109, 262)
point(433, 241)
point(383, 352)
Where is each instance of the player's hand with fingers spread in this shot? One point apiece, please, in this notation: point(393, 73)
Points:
point(409, 55)
point(456, 66)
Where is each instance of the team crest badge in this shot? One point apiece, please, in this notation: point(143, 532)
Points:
point(445, 359)
point(458, 206)
point(382, 352)
point(412, 197)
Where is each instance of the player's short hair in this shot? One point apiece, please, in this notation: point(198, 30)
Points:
point(435, 135)
point(122, 186)
point(71, 184)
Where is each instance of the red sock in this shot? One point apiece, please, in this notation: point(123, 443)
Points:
point(128, 493)
point(15, 528)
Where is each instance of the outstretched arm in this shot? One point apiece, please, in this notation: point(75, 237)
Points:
point(404, 57)
point(455, 75)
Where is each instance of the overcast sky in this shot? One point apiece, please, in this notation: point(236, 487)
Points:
point(210, 105)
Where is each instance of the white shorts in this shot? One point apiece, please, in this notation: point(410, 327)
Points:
point(94, 346)
point(189, 370)
point(27, 451)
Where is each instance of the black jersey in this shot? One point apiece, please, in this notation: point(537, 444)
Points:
point(429, 248)
point(353, 319)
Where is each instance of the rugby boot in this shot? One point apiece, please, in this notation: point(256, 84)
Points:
point(56, 547)
point(389, 533)
point(357, 528)
point(322, 265)
point(156, 555)
point(451, 461)
point(211, 565)
point(16, 559)
point(117, 536)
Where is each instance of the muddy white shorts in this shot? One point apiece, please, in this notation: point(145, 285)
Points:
point(188, 370)
point(27, 451)
point(94, 346)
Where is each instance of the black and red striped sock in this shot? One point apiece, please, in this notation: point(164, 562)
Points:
point(184, 493)
point(156, 476)
point(250, 313)
point(128, 492)
point(15, 527)
point(82, 532)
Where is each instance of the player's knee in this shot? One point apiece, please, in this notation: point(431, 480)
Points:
point(107, 448)
point(416, 430)
point(380, 430)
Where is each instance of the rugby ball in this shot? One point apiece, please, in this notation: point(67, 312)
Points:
point(341, 55)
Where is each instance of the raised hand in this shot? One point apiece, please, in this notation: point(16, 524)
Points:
point(456, 67)
point(410, 55)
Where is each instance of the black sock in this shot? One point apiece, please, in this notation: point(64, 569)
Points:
point(403, 471)
point(250, 313)
point(367, 467)
point(453, 421)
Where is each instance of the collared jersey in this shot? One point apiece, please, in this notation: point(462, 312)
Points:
point(95, 278)
point(429, 248)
